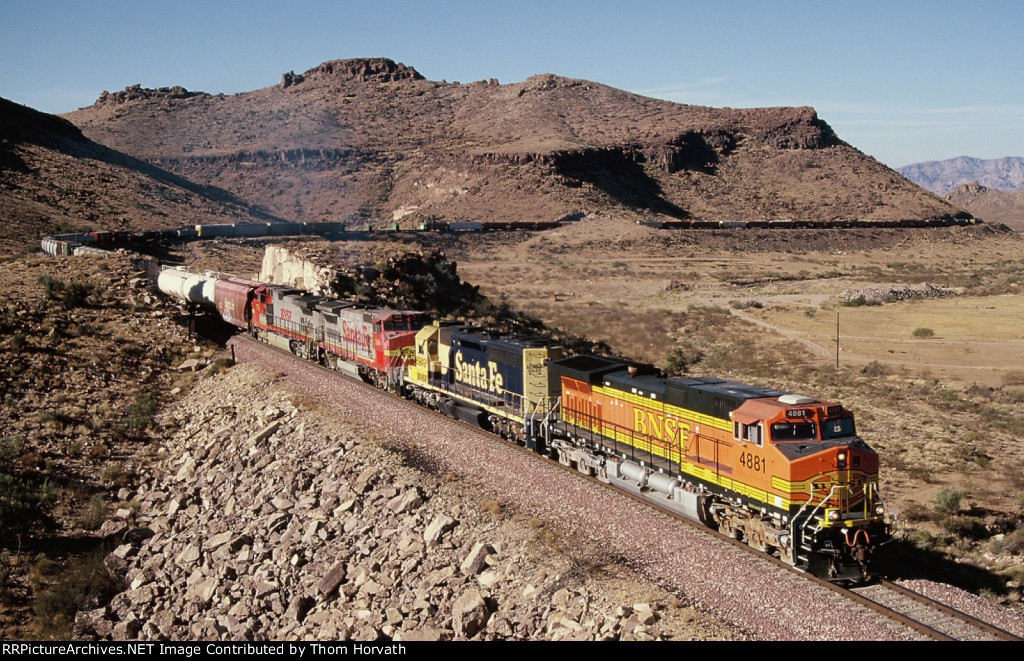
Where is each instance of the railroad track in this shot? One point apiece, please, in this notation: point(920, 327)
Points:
point(925, 615)
point(929, 618)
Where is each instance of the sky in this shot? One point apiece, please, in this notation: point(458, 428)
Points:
point(904, 81)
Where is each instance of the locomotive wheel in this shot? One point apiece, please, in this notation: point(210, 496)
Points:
point(727, 528)
point(758, 542)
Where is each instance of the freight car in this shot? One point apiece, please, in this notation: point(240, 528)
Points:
point(783, 472)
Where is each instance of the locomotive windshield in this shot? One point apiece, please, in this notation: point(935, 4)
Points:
point(838, 428)
point(406, 323)
point(794, 431)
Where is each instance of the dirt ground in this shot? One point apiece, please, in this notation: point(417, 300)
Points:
point(567, 276)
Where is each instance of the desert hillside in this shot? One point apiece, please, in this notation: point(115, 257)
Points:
point(371, 140)
point(54, 179)
point(990, 204)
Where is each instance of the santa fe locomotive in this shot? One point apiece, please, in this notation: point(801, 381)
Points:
point(786, 473)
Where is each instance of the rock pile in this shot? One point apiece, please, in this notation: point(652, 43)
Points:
point(874, 295)
point(274, 521)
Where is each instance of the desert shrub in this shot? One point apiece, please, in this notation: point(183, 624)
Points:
point(494, 507)
point(875, 368)
point(1015, 575)
point(947, 501)
point(1012, 543)
point(24, 502)
point(922, 539)
point(916, 512)
point(52, 287)
point(683, 357)
point(85, 585)
point(6, 573)
point(860, 301)
point(220, 365)
point(18, 341)
point(95, 514)
point(964, 527)
point(71, 294)
point(11, 447)
point(76, 293)
point(141, 413)
point(923, 332)
point(118, 475)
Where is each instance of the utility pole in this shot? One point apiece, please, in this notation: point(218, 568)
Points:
point(837, 339)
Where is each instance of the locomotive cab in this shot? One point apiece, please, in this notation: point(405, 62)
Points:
point(823, 480)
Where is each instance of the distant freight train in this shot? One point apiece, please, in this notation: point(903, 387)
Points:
point(66, 244)
point(786, 473)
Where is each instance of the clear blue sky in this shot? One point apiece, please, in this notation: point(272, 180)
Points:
point(903, 80)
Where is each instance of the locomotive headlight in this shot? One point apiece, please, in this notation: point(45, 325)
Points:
point(879, 510)
point(833, 515)
point(841, 459)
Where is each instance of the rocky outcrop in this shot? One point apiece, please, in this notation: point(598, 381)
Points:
point(138, 92)
point(991, 204)
point(284, 266)
point(374, 69)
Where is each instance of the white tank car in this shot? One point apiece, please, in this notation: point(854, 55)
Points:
point(188, 287)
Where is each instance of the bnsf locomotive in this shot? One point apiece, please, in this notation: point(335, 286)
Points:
point(786, 473)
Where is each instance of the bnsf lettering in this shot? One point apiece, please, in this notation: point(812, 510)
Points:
point(286, 315)
point(657, 426)
point(477, 376)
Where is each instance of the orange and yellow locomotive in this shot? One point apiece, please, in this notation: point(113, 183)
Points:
point(786, 473)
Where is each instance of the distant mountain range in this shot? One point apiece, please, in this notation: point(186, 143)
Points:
point(941, 177)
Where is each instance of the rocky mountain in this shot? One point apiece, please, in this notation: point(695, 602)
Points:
point(990, 204)
point(941, 177)
point(371, 140)
point(54, 179)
